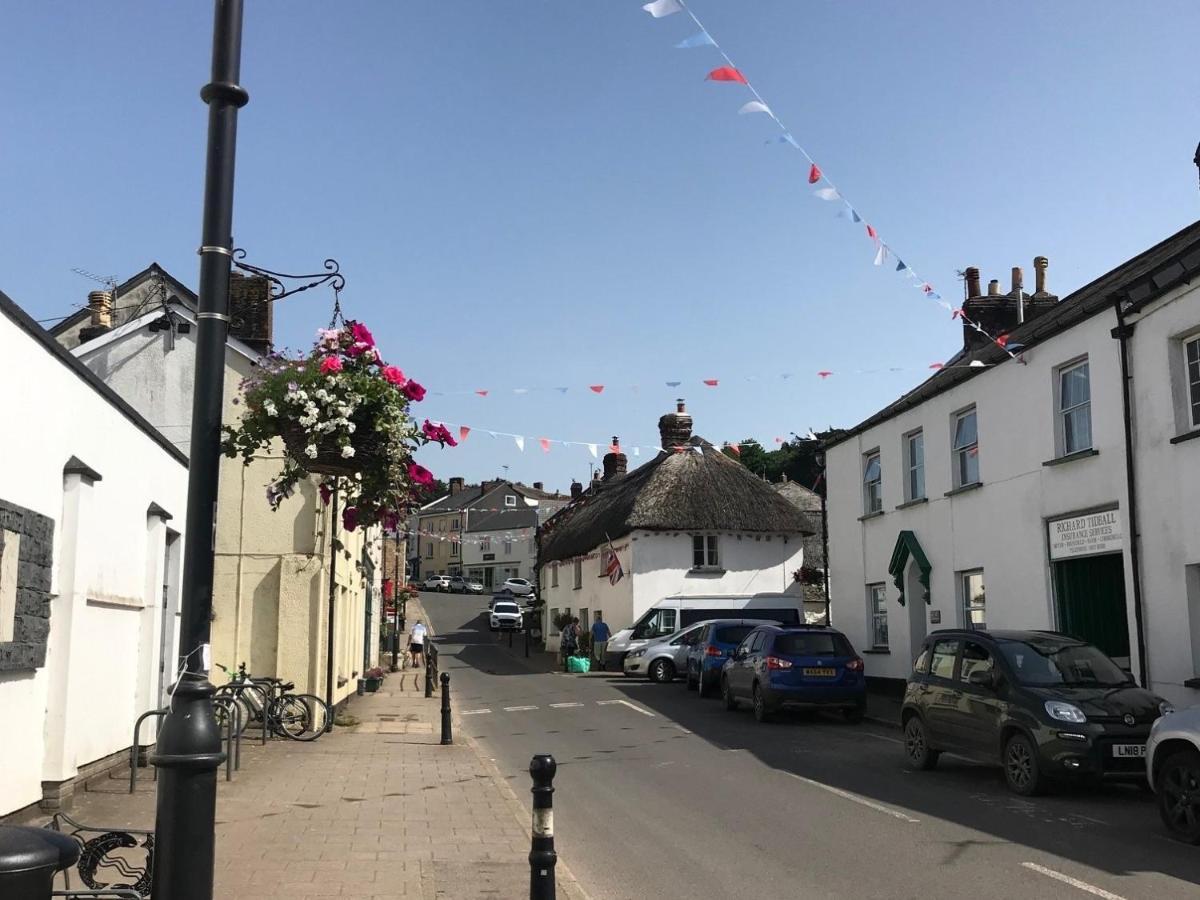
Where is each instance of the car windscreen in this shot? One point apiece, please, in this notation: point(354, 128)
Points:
point(731, 634)
point(505, 608)
point(812, 643)
point(1047, 663)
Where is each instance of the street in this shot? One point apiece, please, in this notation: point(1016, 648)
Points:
point(661, 794)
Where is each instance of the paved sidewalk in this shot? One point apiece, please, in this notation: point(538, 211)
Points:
point(376, 810)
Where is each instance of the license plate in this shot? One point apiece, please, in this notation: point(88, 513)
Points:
point(820, 673)
point(1129, 751)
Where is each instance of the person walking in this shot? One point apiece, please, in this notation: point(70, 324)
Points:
point(600, 636)
point(569, 642)
point(416, 643)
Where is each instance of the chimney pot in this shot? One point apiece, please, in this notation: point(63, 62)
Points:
point(1039, 267)
point(537, 486)
point(675, 429)
point(576, 490)
point(972, 281)
point(456, 484)
point(616, 463)
point(994, 288)
point(100, 305)
point(1018, 280)
point(251, 313)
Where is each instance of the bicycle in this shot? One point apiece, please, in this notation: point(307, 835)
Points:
point(269, 701)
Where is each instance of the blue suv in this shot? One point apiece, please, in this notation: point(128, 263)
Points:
point(813, 667)
point(707, 655)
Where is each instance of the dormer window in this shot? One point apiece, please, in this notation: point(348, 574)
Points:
point(510, 500)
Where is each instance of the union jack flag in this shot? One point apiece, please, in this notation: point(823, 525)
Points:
point(612, 568)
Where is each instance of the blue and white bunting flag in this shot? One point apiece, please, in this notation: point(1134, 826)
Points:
point(696, 40)
point(754, 106)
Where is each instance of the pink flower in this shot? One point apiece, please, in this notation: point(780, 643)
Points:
point(419, 474)
point(331, 364)
point(438, 433)
point(414, 391)
point(359, 332)
point(350, 518)
point(394, 376)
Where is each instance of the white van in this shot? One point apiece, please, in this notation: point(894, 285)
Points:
point(672, 613)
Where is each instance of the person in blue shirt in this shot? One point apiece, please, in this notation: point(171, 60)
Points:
point(600, 636)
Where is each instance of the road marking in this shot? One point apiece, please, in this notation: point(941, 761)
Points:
point(636, 708)
point(564, 705)
point(855, 798)
point(1073, 882)
point(608, 702)
point(474, 712)
point(518, 708)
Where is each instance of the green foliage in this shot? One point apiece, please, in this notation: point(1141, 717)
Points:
point(797, 459)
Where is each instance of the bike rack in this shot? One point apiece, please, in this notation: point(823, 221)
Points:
point(262, 694)
point(135, 748)
point(233, 733)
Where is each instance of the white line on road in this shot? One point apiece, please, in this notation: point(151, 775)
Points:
point(564, 705)
point(855, 798)
point(636, 708)
point(474, 712)
point(1073, 882)
point(518, 708)
point(607, 702)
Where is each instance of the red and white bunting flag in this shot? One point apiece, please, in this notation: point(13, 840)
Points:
point(779, 440)
point(828, 194)
point(824, 374)
point(1002, 340)
point(936, 365)
point(593, 449)
point(754, 106)
point(814, 174)
point(711, 382)
point(736, 448)
point(956, 314)
point(463, 431)
point(660, 8)
point(726, 73)
point(545, 442)
point(520, 442)
point(881, 254)
point(482, 393)
point(596, 388)
point(873, 234)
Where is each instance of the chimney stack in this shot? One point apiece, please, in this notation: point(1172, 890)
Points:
point(616, 463)
point(1018, 281)
point(537, 486)
point(972, 282)
point(994, 287)
point(675, 429)
point(1039, 267)
point(576, 490)
point(456, 485)
point(100, 305)
point(251, 317)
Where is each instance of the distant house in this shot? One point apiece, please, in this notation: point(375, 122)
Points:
point(812, 573)
point(271, 577)
point(689, 521)
point(92, 508)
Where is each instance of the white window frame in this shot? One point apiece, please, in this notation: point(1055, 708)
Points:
point(912, 468)
point(485, 545)
point(1062, 411)
point(873, 488)
point(455, 548)
point(578, 575)
point(877, 615)
point(429, 550)
point(966, 602)
point(962, 454)
point(1191, 386)
point(510, 500)
point(554, 575)
point(709, 554)
point(508, 546)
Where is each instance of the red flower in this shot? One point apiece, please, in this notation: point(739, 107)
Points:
point(359, 332)
point(419, 474)
point(414, 391)
point(350, 518)
point(393, 375)
point(326, 493)
point(438, 433)
point(331, 364)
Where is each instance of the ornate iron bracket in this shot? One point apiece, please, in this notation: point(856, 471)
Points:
point(331, 276)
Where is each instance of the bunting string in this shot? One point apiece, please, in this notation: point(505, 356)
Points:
point(823, 186)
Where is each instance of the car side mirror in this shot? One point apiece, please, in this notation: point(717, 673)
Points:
point(982, 678)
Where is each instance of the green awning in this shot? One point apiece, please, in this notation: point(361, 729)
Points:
point(907, 545)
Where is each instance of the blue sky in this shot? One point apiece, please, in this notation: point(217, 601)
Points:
point(534, 193)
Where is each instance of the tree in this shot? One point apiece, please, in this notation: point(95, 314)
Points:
point(797, 459)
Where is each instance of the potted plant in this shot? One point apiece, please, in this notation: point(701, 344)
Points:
point(372, 679)
point(342, 413)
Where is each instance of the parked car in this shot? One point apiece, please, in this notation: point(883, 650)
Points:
point(436, 583)
point(505, 615)
point(810, 667)
point(663, 659)
point(460, 585)
point(1040, 704)
point(518, 586)
point(1173, 770)
point(718, 639)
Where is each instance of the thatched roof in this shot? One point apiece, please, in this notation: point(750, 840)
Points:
point(676, 491)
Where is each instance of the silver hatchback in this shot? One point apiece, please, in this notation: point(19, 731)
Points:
point(663, 659)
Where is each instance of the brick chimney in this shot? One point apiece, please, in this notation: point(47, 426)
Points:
point(616, 463)
point(998, 313)
point(251, 318)
point(675, 429)
point(538, 486)
point(100, 305)
point(456, 484)
point(576, 490)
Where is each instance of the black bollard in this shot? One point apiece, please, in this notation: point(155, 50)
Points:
point(447, 731)
point(428, 679)
point(527, 642)
point(29, 859)
point(542, 857)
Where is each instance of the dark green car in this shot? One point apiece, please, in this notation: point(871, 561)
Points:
point(1042, 705)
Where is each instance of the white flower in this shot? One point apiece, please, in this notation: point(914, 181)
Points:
point(347, 452)
point(311, 451)
point(350, 426)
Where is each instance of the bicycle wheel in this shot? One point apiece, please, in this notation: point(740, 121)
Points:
point(222, 712)
point(301, 717)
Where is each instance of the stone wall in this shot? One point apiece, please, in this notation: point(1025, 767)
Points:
point(31, 535)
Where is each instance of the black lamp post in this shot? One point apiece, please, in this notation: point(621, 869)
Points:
point(188, 751)
point(396, 599)
point(819, 458)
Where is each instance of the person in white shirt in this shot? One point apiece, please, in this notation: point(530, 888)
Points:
point(416, 643)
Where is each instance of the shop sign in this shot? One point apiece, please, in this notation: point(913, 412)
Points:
point(1086, 535)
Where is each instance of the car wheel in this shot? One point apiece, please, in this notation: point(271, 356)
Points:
point(761, 712)
point(1022, 770)
point(662, 671)
point(703, 685)
point(727, 695)
point(917, 751)
point(1179, 795)
point(691, 682)
point(855, 714)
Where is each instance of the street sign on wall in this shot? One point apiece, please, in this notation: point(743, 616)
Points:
point(1086, 535)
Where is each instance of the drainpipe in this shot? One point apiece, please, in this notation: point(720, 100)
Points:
point(1122, 333)
point(819, 458)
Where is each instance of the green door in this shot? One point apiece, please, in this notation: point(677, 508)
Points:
point(1090, 594)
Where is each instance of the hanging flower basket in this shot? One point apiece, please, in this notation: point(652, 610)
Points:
point(343, 413)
